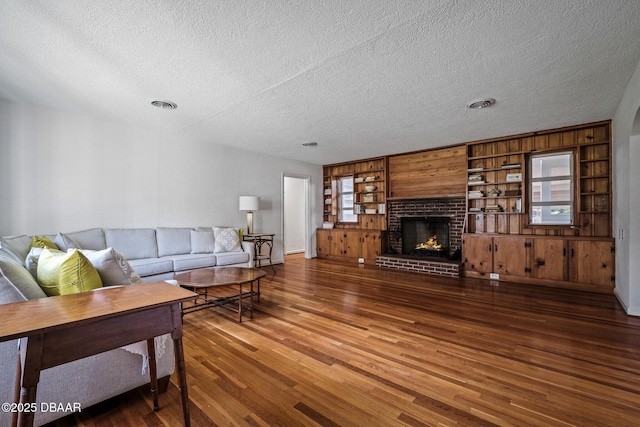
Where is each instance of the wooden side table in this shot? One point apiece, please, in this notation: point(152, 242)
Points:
point(259, 240)
point(60, 329)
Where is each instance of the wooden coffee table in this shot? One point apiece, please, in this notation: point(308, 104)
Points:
point(222, 287)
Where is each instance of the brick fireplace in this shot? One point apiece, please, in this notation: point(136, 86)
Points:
point(431, 211)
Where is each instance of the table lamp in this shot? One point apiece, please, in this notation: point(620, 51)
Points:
point(249, 204)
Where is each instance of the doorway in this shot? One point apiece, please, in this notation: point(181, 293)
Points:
point(295, 215)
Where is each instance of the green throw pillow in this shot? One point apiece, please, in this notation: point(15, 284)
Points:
point(43, 242)
point(63, 273)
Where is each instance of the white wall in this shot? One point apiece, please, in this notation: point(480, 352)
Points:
point(626, 190)
point(66, 172)
point(294, 201)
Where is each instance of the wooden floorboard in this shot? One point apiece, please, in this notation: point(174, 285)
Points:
point(334, 344)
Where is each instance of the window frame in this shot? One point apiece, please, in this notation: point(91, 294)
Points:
point(572, 202)
point(340, 200)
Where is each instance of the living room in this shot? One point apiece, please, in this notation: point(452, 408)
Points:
point(80, 146)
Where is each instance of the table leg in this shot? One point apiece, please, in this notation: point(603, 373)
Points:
point(182, 380)
point(16, 393)
point(258, 290)
point(240, 305)
point(180, 364)
point(31, 350)
point(251, 300)
point(153, 373)
point(259, 241)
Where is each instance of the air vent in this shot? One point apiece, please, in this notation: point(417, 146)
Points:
point(481, 103)
point(310, 144)
point(166, 105)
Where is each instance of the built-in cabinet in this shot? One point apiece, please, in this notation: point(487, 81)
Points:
point(497, 175)
point(499, 237)
point(369, 193)
point(365, 239)
point(582, 263)
point(351, 245)
point(501, 240)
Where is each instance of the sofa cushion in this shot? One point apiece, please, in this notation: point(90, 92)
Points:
point(173, 241)
point(65, 242)
point(226, 239)
point(202, 242)
point(132, 243)
point(150, 266)
point(112, 267)
point(17, 247)
point(16, 284)
point(192, 261)
point(8, 292)
point(7, 254)
point(92, 238)
point(227, 258)
point(62, 273)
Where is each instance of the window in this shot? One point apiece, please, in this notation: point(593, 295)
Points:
point(551, 189)
point(346, 200)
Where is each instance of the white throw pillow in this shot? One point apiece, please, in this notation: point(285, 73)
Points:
point(202, 242)
point(31, 262)
point(227, 240)
point(112, 267)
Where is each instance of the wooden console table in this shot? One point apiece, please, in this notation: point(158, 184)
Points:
point(60, 329)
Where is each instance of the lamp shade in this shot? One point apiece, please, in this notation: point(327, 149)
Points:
point(249, 203)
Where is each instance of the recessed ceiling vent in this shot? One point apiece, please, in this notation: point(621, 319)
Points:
point(481, 103)
point(310, 144)
point(165, 105)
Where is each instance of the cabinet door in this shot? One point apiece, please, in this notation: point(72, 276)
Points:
point(323, 242)
point(592, 262)
point(338, 242)
point(549, 259)
point(371, 245)
point(477, 252)
point(510, 256)
point(353, 243)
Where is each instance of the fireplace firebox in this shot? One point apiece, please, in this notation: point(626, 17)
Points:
point(426, 237)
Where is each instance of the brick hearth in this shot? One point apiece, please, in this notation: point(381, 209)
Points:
point(423, 207)
point(440, 268)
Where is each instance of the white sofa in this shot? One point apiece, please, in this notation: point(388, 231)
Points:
point(155, 254)
point(158, 253)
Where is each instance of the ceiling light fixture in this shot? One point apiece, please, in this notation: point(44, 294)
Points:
point(481, 103)
point(165, 105)
point(310, 144)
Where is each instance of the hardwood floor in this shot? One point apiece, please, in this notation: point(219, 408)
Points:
point(292, 257)
point(346, 345)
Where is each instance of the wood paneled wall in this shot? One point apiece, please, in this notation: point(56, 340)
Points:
point(428, 174)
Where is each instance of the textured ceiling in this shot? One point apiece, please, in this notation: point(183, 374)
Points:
point(360, 77)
